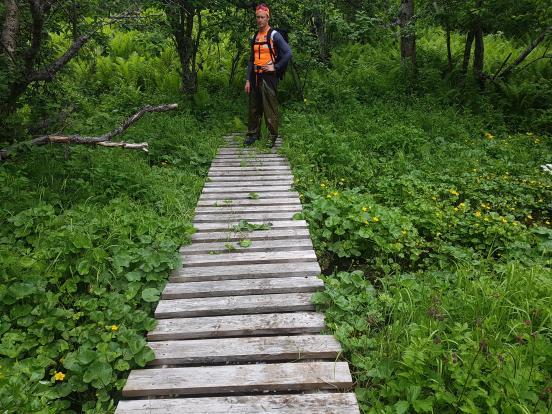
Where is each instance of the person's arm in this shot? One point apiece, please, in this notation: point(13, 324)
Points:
point(249, 71)
point(284, 51)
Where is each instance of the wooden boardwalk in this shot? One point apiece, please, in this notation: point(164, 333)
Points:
point(237, 332)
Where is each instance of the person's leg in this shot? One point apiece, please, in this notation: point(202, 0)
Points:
point(270, 106)
point(255, 115)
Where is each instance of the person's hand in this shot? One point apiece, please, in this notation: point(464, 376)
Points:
point(269, 68)
point(247, 87)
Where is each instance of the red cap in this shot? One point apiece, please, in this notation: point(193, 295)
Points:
point(264, 8)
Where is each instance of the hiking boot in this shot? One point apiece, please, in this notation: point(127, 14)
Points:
point(250, 140)
point(272, 141)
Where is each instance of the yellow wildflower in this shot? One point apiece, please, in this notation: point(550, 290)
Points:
point(529, 216)
point(329, 196)
point(404, 232)
point(487, 219)
point(364, 209)
point(375, 219)
point(366, 222)
point(434, 198)
point(488, 135)
point(59, 376)
point(547, 221)
point(504, 220)
point(455, 208)
point(454, 192)
point(322, 185)
point(114, 328)
point(477, 214)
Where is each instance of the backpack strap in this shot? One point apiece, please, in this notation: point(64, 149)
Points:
point(270, 41)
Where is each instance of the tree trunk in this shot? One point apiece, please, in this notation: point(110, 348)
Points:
point(10, 27)
point(479, 56)
point(467, 51)
point(540, 38)
point(408, 34)
point(182, 25)
point(319, 23)
point(449, 50)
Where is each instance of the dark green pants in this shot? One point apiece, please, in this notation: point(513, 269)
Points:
point(263, 100)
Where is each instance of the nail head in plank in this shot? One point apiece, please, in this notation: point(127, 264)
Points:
point(238, 379)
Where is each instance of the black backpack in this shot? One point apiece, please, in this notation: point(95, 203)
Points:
point(270, 37)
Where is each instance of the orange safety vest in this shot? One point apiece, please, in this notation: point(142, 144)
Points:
point(261, 50)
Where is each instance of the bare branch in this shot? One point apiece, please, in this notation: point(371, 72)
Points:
point(103, 140)
point(525, 53)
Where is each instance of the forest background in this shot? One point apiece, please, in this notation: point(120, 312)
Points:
point(416, 131)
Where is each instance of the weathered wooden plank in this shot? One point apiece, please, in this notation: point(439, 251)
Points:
point(248, 188)
point(249, 182)
point(241, 287)
point(231, 226)
point(205, 260)
point(249, 156)
point(256, 246)
point(233, 305)
point(238, 379)
point(221, 197)
point(258, 271)
point(203, 237)
point(237, 325)
point(233, 216)
point(296, 208)
point(280, 168)
point(247, 173)
point(321, 403)
point(248, 163)
point(251, 349)
point(249, 202)
point(240, 178)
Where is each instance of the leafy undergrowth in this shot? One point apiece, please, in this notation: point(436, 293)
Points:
point(87, 241)
point(432, 225)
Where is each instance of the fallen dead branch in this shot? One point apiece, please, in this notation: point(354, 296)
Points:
point(103, 140)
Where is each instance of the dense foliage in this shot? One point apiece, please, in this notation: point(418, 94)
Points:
point(423, 189)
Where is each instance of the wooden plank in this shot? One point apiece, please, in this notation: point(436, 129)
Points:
point(247, 173)
point(249, 156)
point(233, 216)
point(249, 182)
point(204, 260)
point(230, 226)
point(238, 379)
point(240, 178)
point(239, 350)
point(280, 168)
point(237, 325)
point(247, 195)
point(249, 202)
point(258, 271)
point(249, 163)
point(256, 245)
point(241, 287)
point(248, 189)
point(321, 403)
point(233, 305)
point(286, 234)
point(296, 208)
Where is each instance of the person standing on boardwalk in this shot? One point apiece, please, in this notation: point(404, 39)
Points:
point(269, 56)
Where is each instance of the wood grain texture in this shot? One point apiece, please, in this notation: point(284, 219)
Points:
point(238, 379)
point(235, 216)
point(237, 325)
point(292, 199)
point(250, 181)
point(231, 225)
point(239, 350)
point(239, 178)
point(247, 258)
point(296, 208)
point(321, 403)
point(220, 197)
point(233, 305)
point(198, 274)
point(256, 246)
point(241, 287)
point(204, 237)
point(246, 189)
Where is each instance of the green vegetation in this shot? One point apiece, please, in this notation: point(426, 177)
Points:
point(421, 184)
